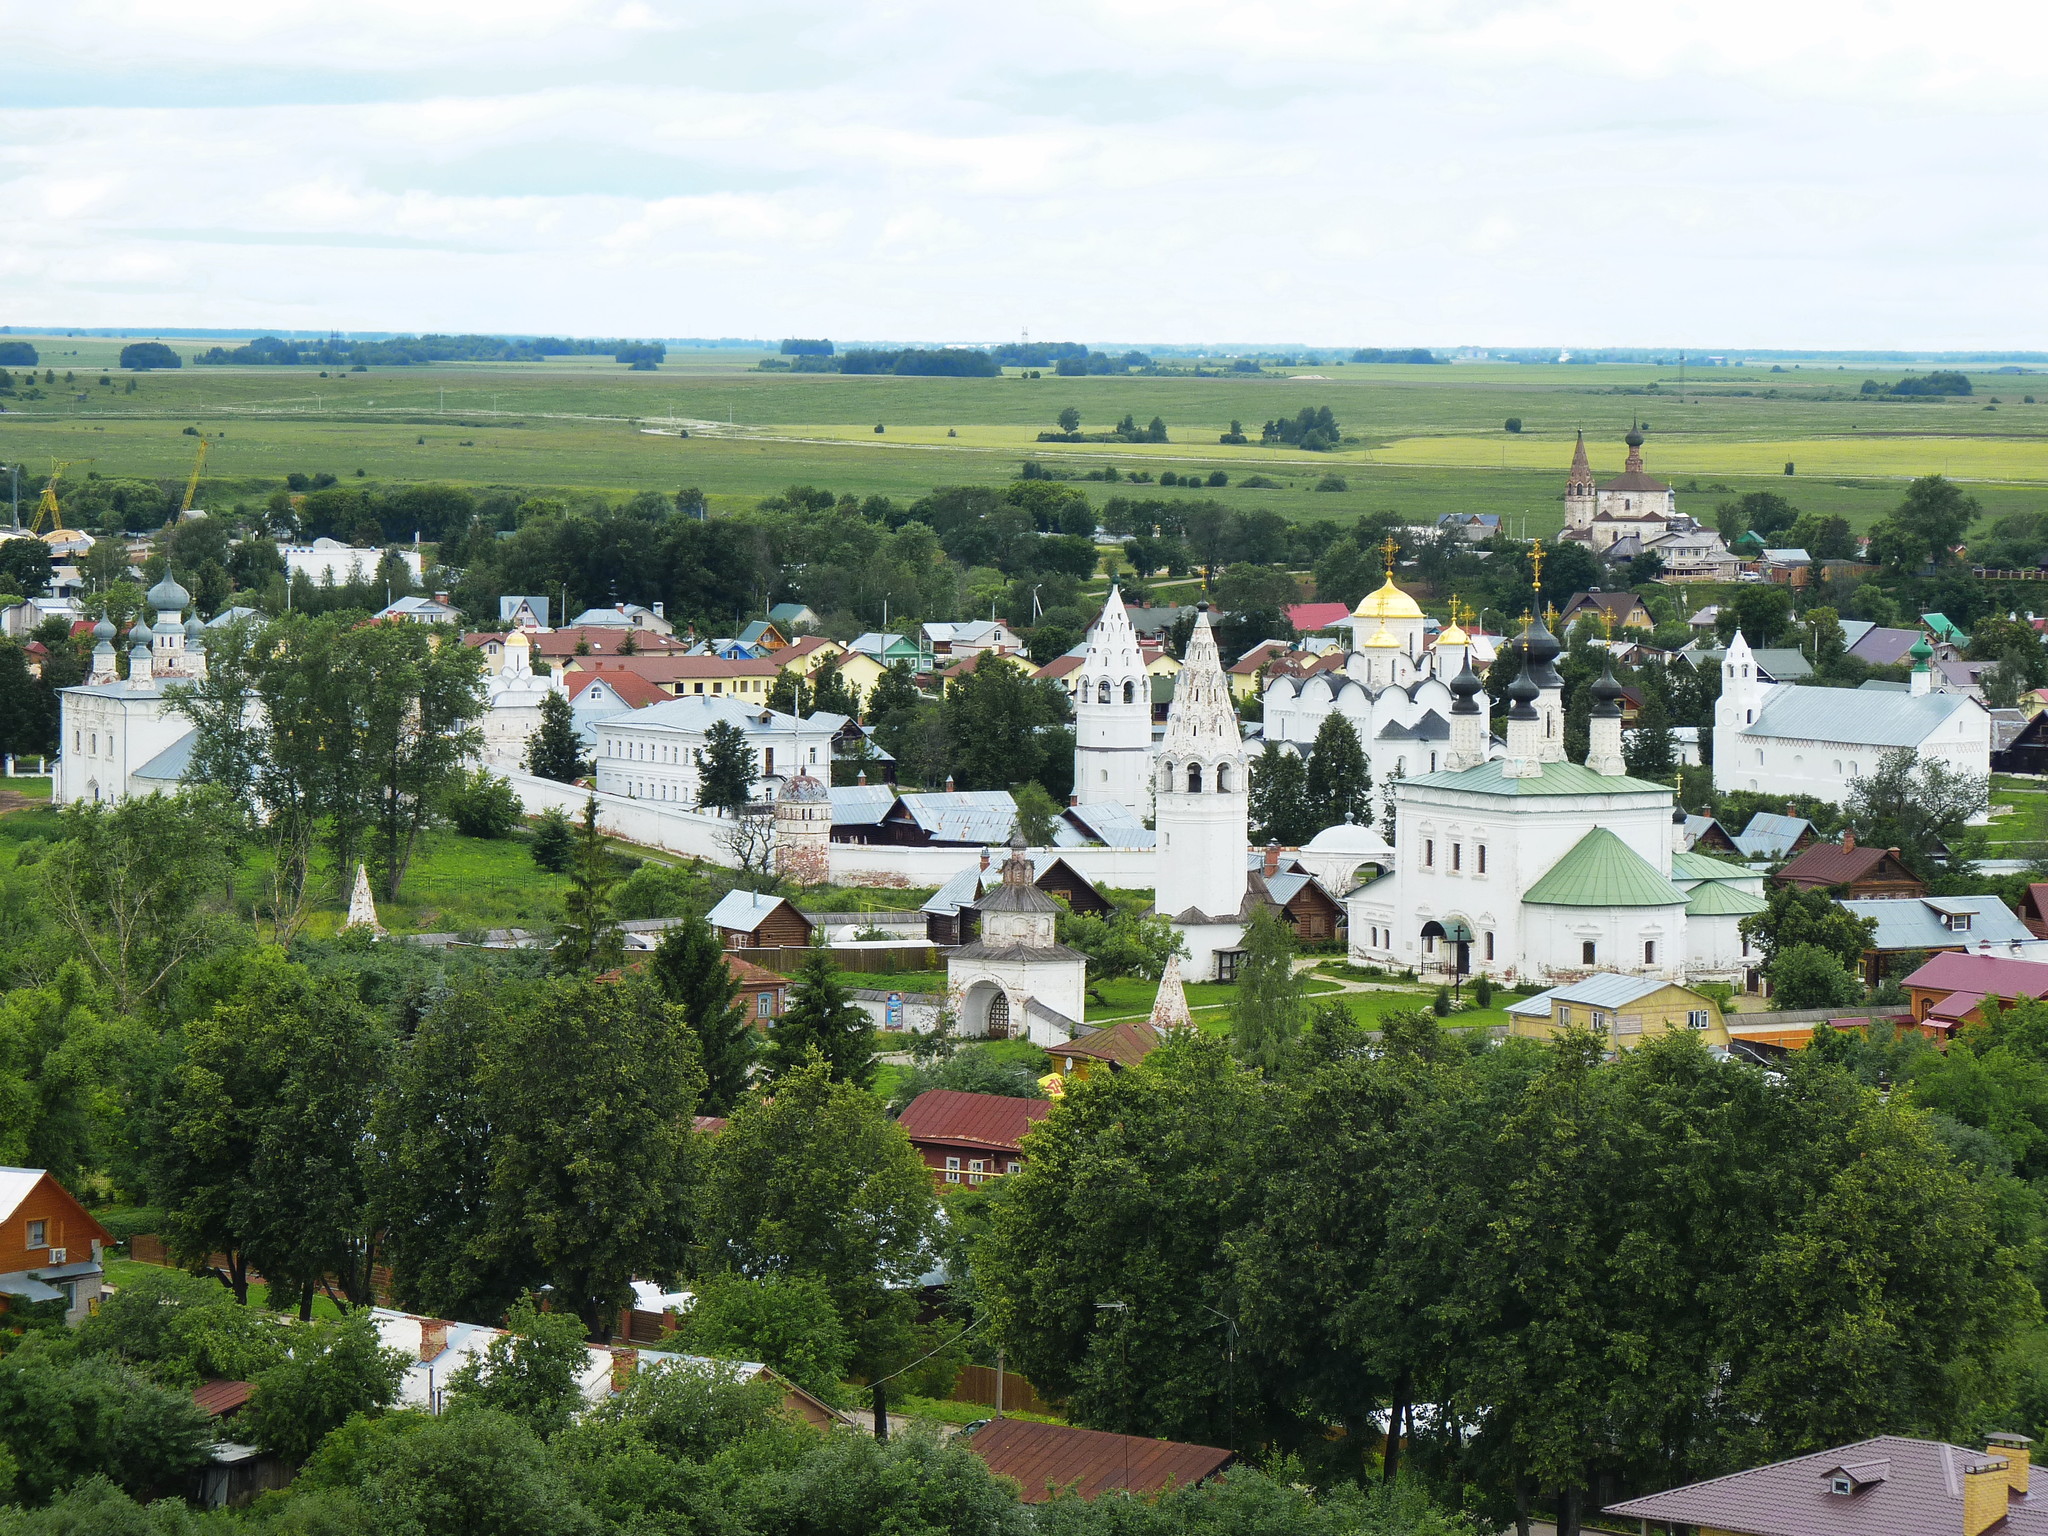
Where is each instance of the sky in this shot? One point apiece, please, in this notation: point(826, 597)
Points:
point(1764, 173)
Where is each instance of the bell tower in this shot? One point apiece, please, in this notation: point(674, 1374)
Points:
point(1113, 714)
point(1579, 497)
point(1202, 809)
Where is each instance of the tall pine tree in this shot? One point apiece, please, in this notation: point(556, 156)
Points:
point(821, 1017)
point(589, 938)
point(553, 751)
point(689, 968)
point(1279, 797)
point(1339, 783)
point(1266, 1016)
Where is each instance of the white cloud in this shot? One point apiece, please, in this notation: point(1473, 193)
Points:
point(1581, 171)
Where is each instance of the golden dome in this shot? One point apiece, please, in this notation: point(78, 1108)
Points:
point(1390, 602)
point(1381, 640)
point(1453, 636)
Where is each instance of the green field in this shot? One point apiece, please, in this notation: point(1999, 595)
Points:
point(1430, 439)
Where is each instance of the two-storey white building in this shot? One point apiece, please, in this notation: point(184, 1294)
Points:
point(651, 754)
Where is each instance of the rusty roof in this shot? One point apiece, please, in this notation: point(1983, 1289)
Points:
point(216, 1399)
point(1902, 1488)
point(748, 974)
point(1126, 1044)
point(633, 690)
point(1832, 864)
point(990, 1120)
point(708, 1125)
point(1044, 1458)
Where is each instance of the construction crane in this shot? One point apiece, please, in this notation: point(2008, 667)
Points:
point(192, 485)
point(47, 505)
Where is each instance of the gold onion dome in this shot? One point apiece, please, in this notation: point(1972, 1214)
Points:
point(1389, 602)
point(1453, 636)
point(1382, 640)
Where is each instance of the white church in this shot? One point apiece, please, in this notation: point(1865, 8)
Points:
point(119, 737)
point(1788, 739)
point(1533, 868)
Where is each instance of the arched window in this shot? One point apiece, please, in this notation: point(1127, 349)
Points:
point(1223, 778)
point(1130, 691)
point(1194, 778)
point(1102, 692)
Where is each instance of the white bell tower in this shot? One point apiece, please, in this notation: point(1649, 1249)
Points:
point(1201, 804)
point(1113, 714)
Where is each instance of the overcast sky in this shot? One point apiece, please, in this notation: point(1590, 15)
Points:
point(1390, 172)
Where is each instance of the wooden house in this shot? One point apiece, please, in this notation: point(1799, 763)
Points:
point(763, 993)
point(2034, 910)
point(970, 1138)
point(1950, 989)
point(1860, 872)
point(1626, 1009)
point(750, 920)
point(50, 1245)
point(1316, 916)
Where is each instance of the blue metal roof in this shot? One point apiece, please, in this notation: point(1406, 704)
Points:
point(1917, 922)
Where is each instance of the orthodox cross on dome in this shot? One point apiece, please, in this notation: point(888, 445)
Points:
point(1536, 566)
point(1388, 550)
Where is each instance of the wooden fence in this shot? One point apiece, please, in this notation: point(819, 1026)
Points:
point(977, 1384)
point(787, 960)
point(148, 1248)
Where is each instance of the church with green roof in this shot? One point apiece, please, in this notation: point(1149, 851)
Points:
point(1532, 868)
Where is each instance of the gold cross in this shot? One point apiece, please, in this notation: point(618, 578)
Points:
point(1536, 566)
point(1390, 549)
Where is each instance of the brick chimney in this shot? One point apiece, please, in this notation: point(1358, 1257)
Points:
point(949, 784)
point(624, 1363)
point(1893, 852)
point(1985, 1494)
point(1272, 859)
point(2014, 1448)
point(1848, 840)
point(433, 1338)
point(861, 777)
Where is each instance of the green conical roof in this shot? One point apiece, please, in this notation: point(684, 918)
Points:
point(1717, 898)
point(1603, 871)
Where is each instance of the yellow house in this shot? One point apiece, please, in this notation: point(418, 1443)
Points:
point(1626, 1009)
point(805, 656)
point(860, 672)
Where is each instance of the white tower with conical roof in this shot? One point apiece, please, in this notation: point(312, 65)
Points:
point(1113, 714)
point(1201, 807)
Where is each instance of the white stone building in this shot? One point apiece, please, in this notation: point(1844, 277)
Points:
point(329, 561)
point(119, 738)
point(1113, 714)
point(1017, 979)
point(1635, 513)
point(1529, 866)
point(1201, 810)
point(1789, 739)
point(1391, 687)
point(803, 830)
point(651, 754)
point(512, 694)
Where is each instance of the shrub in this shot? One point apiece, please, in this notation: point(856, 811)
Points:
point(1333, 483)
point(1441, 1007)
point(554, 840)
point(481, 804)
point(1512, 424)
point(1259, 483)
point(1482, 990)
point(1217, 477)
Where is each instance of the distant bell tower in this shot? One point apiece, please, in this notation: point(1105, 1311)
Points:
point(1201, 807)
point(1113, 714)
point(1579, 497)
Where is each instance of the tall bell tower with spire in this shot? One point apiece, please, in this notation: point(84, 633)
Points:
point(1580, 497)
point(1202, 809)
point(1113, 714)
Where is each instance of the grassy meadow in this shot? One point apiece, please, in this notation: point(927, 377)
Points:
point(1430, 439)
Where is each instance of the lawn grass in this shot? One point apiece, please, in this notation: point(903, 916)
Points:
point(2022, 829)
point(1129, 995)
point(121, 1272)
point(946, 1411)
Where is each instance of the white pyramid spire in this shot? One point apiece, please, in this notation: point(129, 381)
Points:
point(1170, 1005)
point(1202, 717)
point(362, 907)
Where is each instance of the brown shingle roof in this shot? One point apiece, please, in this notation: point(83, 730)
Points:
point(1832, 864)
point(1047, 1457)
point(990, 1120)
point(748, 974)
point(1126, 1044)
point(1908, 1488)
point(217, 1398)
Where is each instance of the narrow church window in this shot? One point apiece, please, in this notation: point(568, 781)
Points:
point(1586, 953)
point(1457, 856)
point(1428, 852)
point(1102, 692)
point(1649, 951)
point(1194, 778)
point(1489, 945)
point(1130, 691)
point(1482, 870)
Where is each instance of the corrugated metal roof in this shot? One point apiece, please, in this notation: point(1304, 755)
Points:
point(1991, 974)
point(742, 911)
point(1603, 871)
point(1604, 989)
point(15, 1184)
point(860, 805)
point(1700, 866)
point(990, 1120)
point(1046, 1457)
point(1719, 898)
point(1113, 824)
point(1917, 923)
point(955, 893)
point(1490, 778)
point(1831, 864)
point(1127, 1043)
point(1920, 1494)
point(172, 764)
point(214, 1398)
point(1854, 716)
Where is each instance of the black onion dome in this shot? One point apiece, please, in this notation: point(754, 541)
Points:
point(1607, 693)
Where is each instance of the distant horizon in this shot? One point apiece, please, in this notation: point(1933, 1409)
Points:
point(1332, 352)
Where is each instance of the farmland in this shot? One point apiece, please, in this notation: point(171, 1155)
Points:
point(1428, 440)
